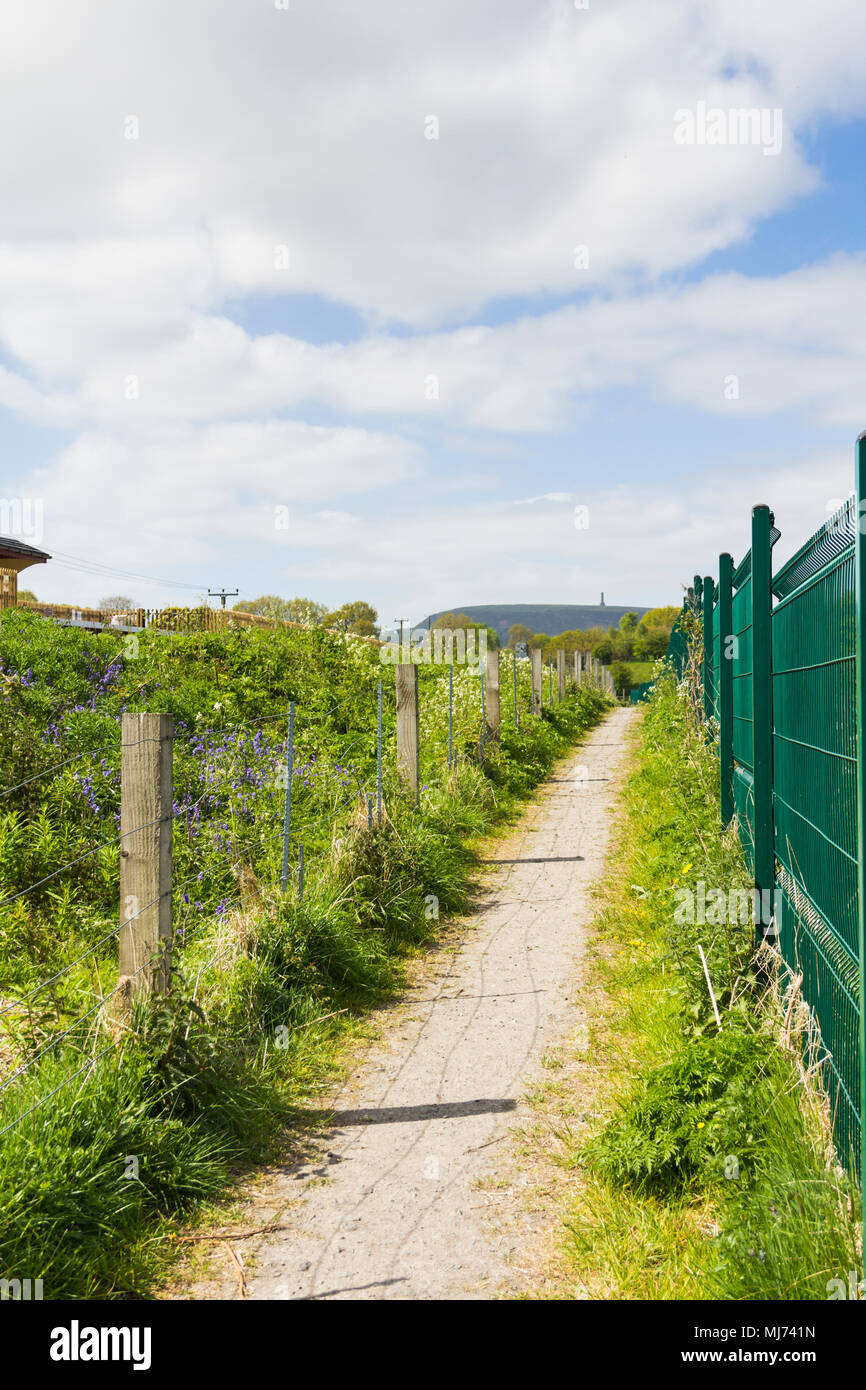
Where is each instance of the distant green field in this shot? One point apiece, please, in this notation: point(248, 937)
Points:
point(640, 670)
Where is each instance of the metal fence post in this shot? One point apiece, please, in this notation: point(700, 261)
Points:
point(860, 681)
point(726, 687)
point(707, 614)
point(287, 811)
point(762, 709)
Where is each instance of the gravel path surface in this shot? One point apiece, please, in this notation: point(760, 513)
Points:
point(393, 1206)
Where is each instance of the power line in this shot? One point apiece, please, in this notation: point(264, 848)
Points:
point(114, 572)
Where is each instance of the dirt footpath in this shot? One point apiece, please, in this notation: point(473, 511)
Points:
point(393, 1206)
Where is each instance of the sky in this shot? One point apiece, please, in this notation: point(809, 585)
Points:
point(425, 304)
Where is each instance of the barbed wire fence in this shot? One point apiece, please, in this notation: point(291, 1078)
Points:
point(150, 896)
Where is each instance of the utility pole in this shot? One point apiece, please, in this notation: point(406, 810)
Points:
point(401, 621)
point(222, 594)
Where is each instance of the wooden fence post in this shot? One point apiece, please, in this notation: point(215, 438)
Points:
point(492, 709)
point(560, 674)
point(537, 678)
point(408, 738)
point(146, 825)
point(576, 662)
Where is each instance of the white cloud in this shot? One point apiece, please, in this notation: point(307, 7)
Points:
point(543, 497)
point(731, 343)
point(261, 129)
point(190, 500)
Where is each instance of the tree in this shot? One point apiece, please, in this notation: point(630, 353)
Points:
point(586, 640)
point(27, 596)
point(653, 632)
point(358, 617)
point(622, 645)
point(603, 651)
point(519, 634)
point(628, 622)
point(267, 606)
point(456, 622)
point(622, 679)
point(651, 645)
point(117, 603)
point(660, 617)
point(304, 611)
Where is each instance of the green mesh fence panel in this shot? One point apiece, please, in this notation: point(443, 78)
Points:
point(815, 796)
point(678, 649)
point(815, 784)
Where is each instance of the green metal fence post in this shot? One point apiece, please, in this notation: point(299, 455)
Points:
point(762, 711)
point(860, 680)
point(726, 687)
point(707, 615)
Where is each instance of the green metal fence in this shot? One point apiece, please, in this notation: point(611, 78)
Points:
point(640, 692)
point(784, 673)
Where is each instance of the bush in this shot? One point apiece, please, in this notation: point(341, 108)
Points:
point(622, 679)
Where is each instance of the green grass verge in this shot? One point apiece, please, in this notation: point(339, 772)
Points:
point(709, 1172)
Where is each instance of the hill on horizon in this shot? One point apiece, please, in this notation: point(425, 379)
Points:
point(551, 618)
